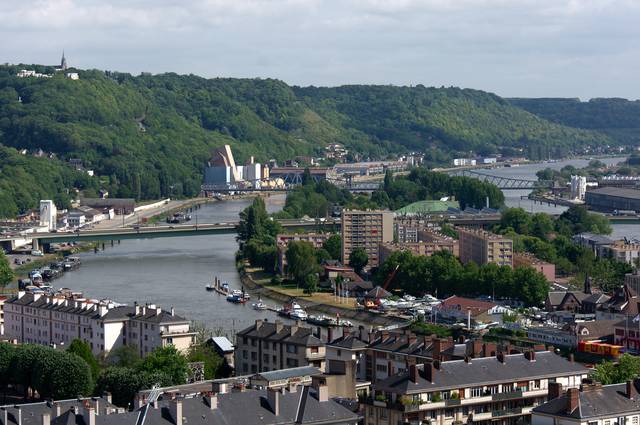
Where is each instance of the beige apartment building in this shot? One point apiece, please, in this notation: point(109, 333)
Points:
point(623, 252)
point(267, 346)
point(500, 390)
point(484, 247)
point(58, 320)
point(417, 248)
point(366, 229)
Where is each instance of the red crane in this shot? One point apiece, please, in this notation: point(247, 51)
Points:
point(386, 283)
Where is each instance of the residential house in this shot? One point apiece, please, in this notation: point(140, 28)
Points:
point(470, 311)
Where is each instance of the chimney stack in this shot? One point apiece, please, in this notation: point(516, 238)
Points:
point(632, 392)
point(46, 419)
point(467, 359)
point(322, 392)
point(219, 387)
point(89, 415)
point(329, 334)
point(279, 326)
point(173, 312)
point(500, 357)
point(571, 357)
point(108, 397)
point(273, 398)
point(429, 372)
point(555, 389)
point(176, 411)
point(413, 373)
point(573, 399)
point(212, 401)
point(259, 323)
point(19, 414)
point(530, 355)
point(436, 364)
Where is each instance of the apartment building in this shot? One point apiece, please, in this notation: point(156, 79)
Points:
point(592, 404)
point(282, 242)
point(406, 233)
point(58, 320)
point(484, 247)
point(3, 299)
point(491, 390)
point(416, 248)
point(521, 259)
point(266, 346)
point(365, 229)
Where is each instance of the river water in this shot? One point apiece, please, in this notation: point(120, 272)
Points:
point(174, 271)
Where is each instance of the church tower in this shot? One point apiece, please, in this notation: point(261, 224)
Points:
point(63, 62)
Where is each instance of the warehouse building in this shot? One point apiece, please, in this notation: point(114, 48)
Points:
point(609, 199)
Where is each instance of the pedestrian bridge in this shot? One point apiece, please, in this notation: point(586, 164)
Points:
point(503, 183)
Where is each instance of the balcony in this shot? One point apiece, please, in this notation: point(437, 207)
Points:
point(506, 412)
point(511, 395)
point(452, 402)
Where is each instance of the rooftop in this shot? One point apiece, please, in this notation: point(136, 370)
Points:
point(619, 192)
point(277, 331)
point(482, 371)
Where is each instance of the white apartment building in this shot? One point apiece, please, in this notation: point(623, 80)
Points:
point(58, 320)
point(578, 187)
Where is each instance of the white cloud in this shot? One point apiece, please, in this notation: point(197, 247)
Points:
point(512, 47)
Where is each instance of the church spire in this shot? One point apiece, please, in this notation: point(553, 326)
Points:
point(63, 62)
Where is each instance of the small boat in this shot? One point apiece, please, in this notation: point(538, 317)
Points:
point(298, 314)
point(259, 305)
point(236, 299)
point(321, 320)
point(225, 286)
point(209, 287)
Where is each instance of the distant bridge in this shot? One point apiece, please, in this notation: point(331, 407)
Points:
point(503, 183)
point(350, 186)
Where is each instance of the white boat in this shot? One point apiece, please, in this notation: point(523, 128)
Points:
point(298, 314)
point(259, 305)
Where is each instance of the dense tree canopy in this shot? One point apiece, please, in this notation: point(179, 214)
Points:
point(6, 274)
point(149, 136)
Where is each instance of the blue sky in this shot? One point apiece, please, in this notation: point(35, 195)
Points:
point(533, 48)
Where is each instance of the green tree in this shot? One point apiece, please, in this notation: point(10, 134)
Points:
point(358, 259)
point(125, 356)
point(213, 363)
point(541, 225)
point(169, 361)
point(577, 220)
point(311, 283)
point(333, 245)
point(7, 351)
point(122, 382)
point(608, 372)
point(61, 375)
point(83, 350)
point(23, 364)
point(6, 274)
point(516, 219)
point(301, 260)
point(533, 285)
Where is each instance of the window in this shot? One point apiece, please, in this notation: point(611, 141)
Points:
point(381, 368)
point(253, 342)
point(536, 384)
point(245, 354)
point(477, 391)
point(314, 350)
point(293, 349)
point(254, 356)
point(265, 358)
point(339, 352)
point(244, 340)
point(448, 413)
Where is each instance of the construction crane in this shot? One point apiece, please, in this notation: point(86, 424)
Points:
point(386, 283)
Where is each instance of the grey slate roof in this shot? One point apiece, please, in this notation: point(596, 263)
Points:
point(276, 375)
point(32, 412)
point(269, 331)
point(483, 371)
point(348, 342)
point(240, 408)
point(608, 400)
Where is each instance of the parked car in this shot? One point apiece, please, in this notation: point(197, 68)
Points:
point(37, 253)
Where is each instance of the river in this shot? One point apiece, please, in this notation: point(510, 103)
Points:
point(174, 271)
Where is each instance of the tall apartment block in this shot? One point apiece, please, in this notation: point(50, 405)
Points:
point(365, 229)
point(484, 247)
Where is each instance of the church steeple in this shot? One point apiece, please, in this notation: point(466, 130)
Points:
point(63, 62)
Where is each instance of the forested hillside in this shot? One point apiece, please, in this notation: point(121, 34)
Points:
point(150, 136)
point(618, 118)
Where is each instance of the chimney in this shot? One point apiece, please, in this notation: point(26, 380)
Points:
point(219, 387)
point(97, 401)
point(273, 398)
point(530, 355)
point(436, 364)
point(461, 339)
point(176, 411)
point(571, 357)
point(158, 311)
point(632, 392)
point(501, 357)
point(573, 399)
point(437, 348)
point(429, 372)
point(259, 323)
point(295, 327)
point(89, 415)
point(361, 332)
point(477, 348)
point(555, 389)
point(322, 392)
point(107, 396)
point(19, 414)
point(58, 409)
point(413, 373)
point(173, 312)
point(5, 415)
point(46, 419)
point(211, 400)
point(279, 326)
point(144, 310)
point(293, 387)
point(467, 359)
point(329, 334)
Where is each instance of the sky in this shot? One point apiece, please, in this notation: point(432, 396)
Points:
point(527, 48)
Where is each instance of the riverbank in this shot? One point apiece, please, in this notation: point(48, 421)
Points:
point(317, 303)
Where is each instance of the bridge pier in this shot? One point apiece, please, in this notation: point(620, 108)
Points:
point(103, 246)
point(111, 242)
point(35, 243)
point(95, 249)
